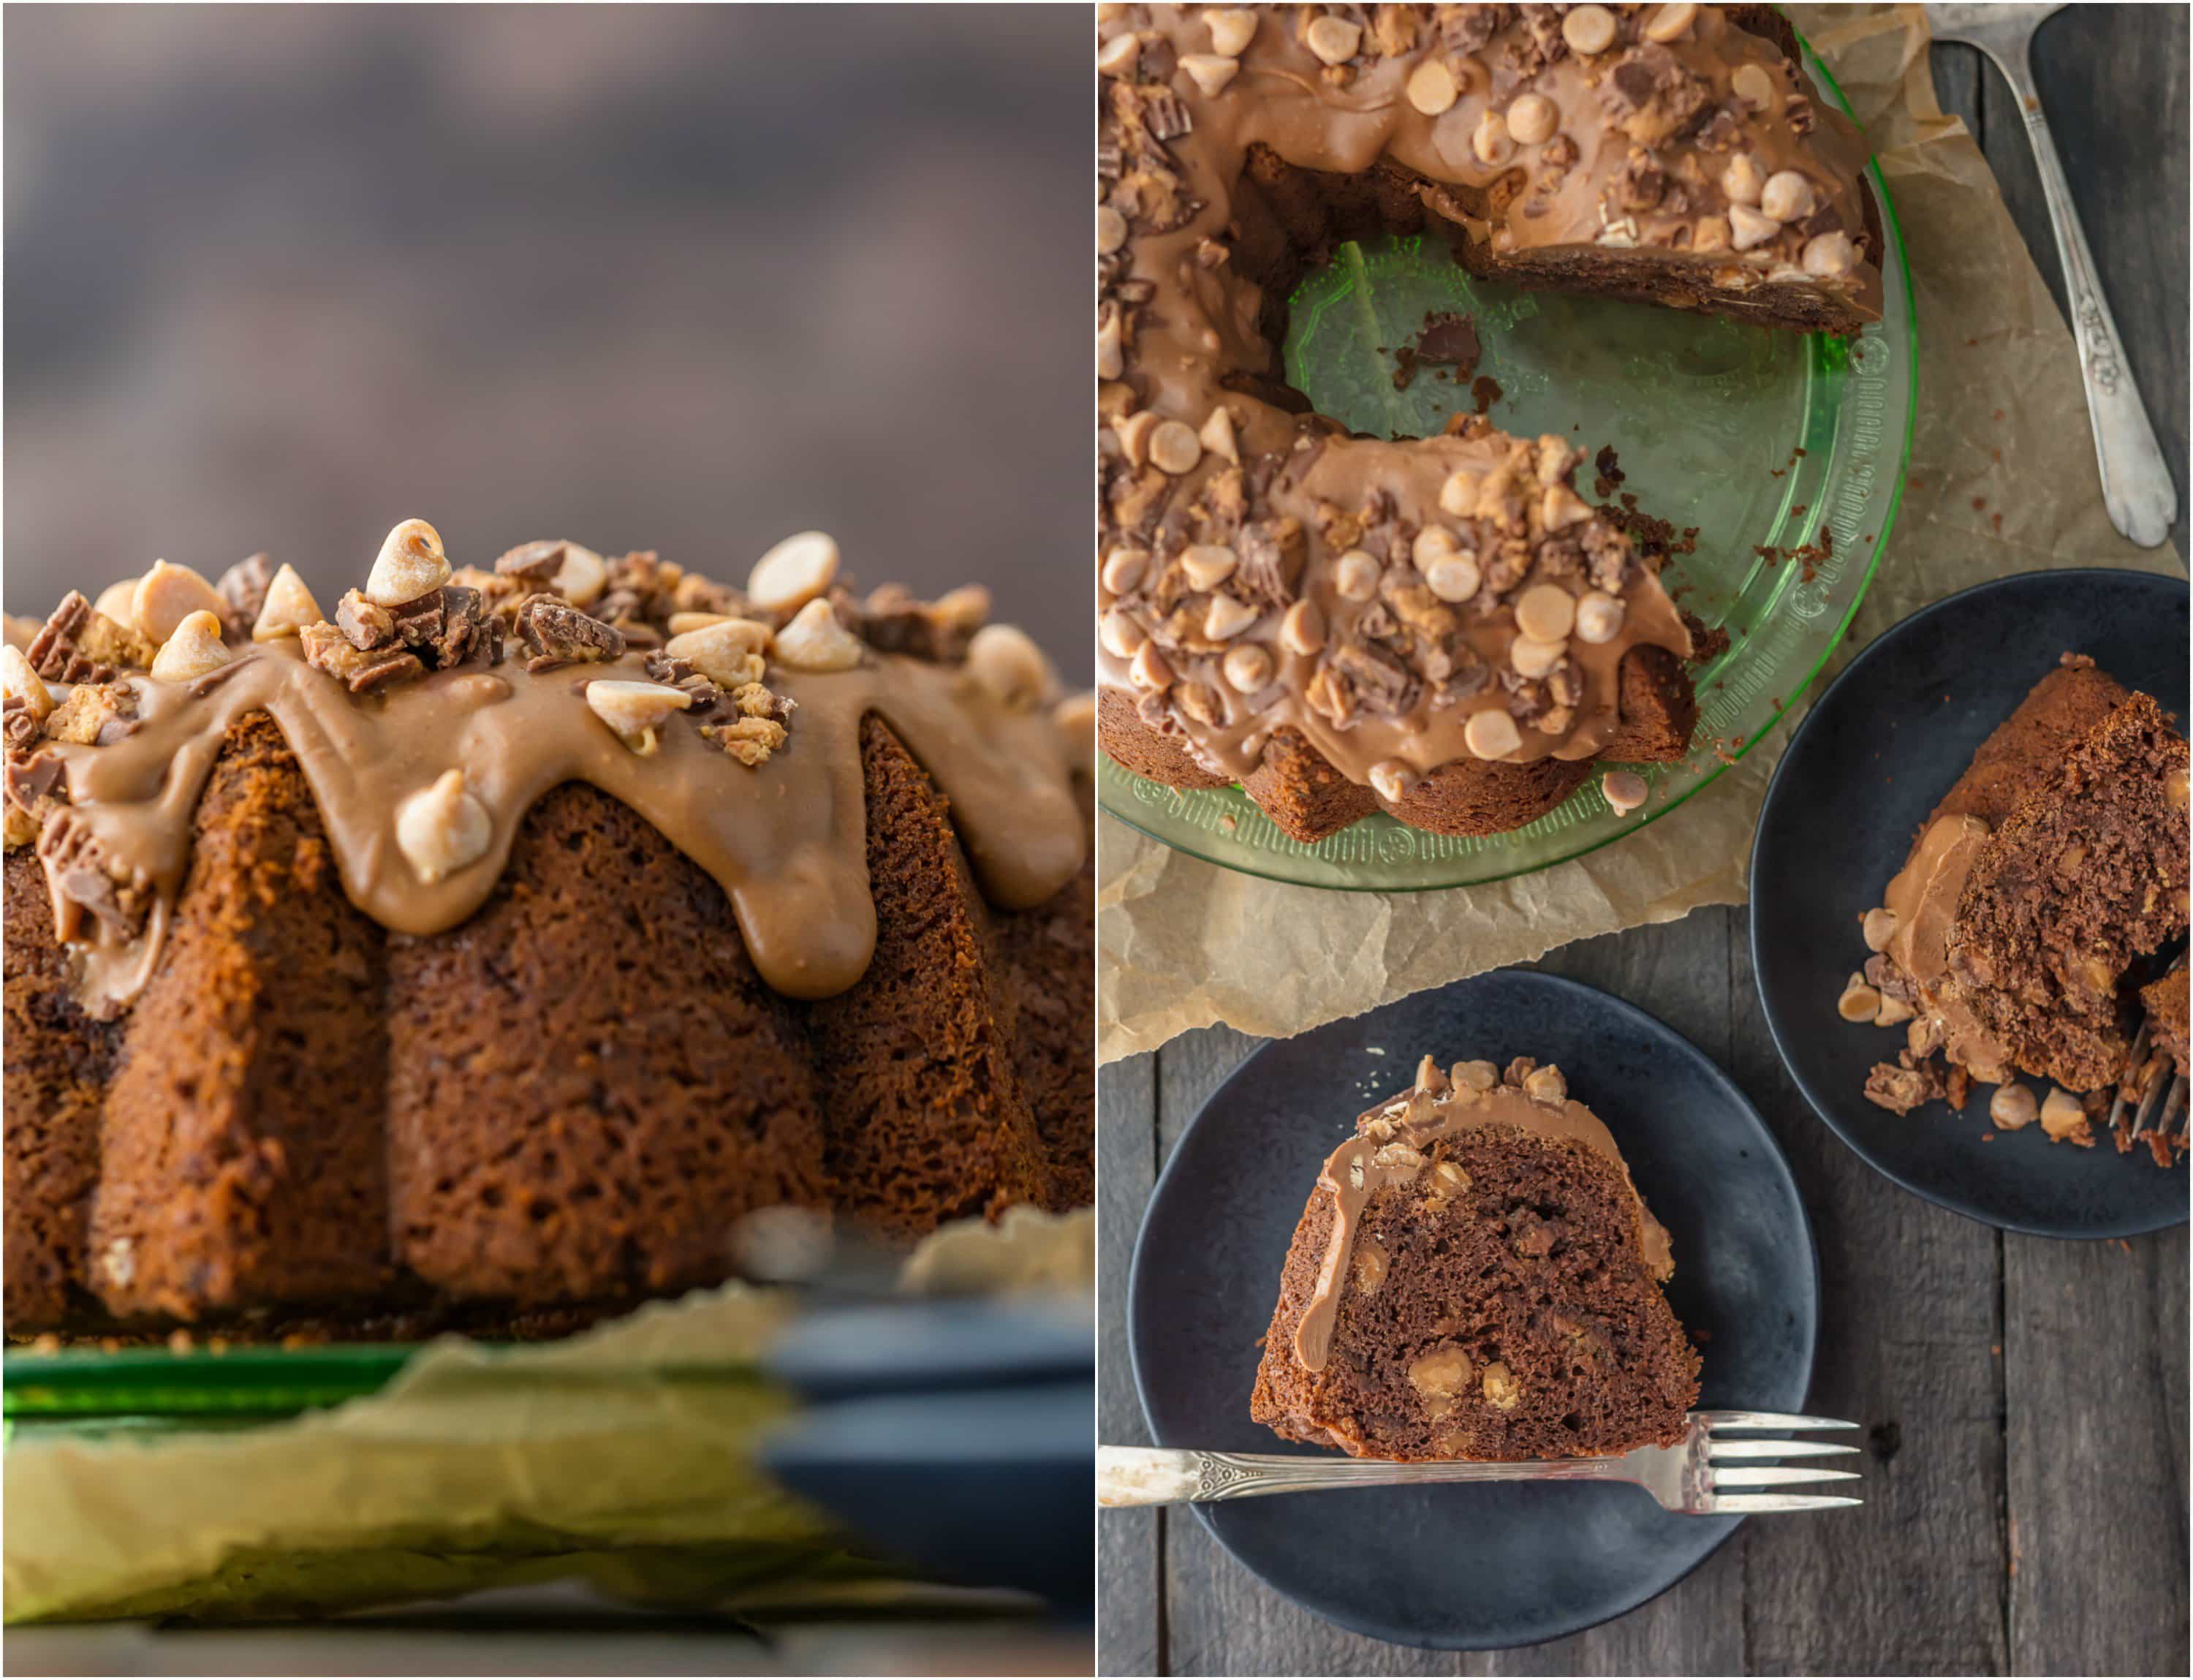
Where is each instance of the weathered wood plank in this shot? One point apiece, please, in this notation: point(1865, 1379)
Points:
point(1129, 1543)
point(1910, 1344)
point(2095, 1354)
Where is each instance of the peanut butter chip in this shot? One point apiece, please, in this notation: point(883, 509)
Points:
point(1149, 669)
point(1303, 630)
point(794, 572)
point(1208, 565)
point(411, 564)
point(1247, 668)
point(1006, 664)
point(1111, 230)
point(1748, 227)
point(118, 601)
point(1355, 575)
point(1830, 257)
point(2012, 1107)
point(1787, 196)
point(1433, 544)
point(635, 710)
point(1455, 578)
point(288, 609)
point(1217, 435)
point(1334, 40)
point(1671, 23)
point(1879, 926)
point(18, 681)
point(1122, 568)
point(1599, 617)
point(1174, 448)
point(729, 652)
point(166, 595)
point(1547, 611)
point(1563, 507)
point(1121, 635)
point(1117, 56)
point(1111, 363)
point(1227, 618)
point(1753, 86)
point(816, 641)
point(1390, 778)
point(2063, 1115)
point(1859, 1001)
point(1490, 139)
point(1624, 790)
point(1431, 87)
point(1491, 734)
point(1742, 180)
point(192, 651)
point(1498, 1383)
point(1209, 72)
point(1458, 494)
point(1232, 28)
point(1533, 658)
point(1532, 119)
point(444, 829)
point(1588, 29)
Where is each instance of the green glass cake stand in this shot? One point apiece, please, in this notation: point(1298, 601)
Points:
point(1785, 452)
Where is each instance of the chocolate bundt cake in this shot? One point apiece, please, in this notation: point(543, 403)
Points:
point(2050, 868)
point(1441, 628)
point(485, 954)
point(1475, 1277)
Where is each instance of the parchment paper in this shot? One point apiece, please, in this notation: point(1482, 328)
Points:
point(624, 1455)
point(2002, 479)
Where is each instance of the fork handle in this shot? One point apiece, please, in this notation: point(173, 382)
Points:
point(2136, 485)
point(1147, 1475)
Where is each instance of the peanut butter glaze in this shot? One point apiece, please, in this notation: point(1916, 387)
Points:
point(1181, 340)
point(1388, 1150)
point(787, 840)
point(1924, 897)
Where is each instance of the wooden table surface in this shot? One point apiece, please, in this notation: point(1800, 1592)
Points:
point(2024, 1401)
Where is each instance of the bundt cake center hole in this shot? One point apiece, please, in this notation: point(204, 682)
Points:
point(1383, 336)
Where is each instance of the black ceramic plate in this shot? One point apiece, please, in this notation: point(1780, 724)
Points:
point(1465, 1568)
point(1878, 749)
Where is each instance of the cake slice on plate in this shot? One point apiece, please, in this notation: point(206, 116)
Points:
point(2009, 943)
point(1475, 1278)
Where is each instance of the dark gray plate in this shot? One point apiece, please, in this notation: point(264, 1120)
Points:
point(1877, 750)
point(1465, 1568)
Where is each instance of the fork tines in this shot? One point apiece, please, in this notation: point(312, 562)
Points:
point(1726, 1476)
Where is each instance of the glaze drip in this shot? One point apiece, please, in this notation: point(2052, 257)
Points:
point(786, 841)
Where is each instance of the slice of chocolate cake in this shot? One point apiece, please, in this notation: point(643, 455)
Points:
point(2050, 866)
point(1475, 1278)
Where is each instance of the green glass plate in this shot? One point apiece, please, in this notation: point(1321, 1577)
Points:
point(1765, 441)
point(95, 1391)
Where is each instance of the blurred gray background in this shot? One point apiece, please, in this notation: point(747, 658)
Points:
point(687, 279)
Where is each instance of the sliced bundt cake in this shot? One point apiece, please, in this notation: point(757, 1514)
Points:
point(1442, 628)
point(2005, 943)
point(1475, 1277)
point(484, 954)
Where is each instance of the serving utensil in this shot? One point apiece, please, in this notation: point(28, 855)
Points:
point(1714, 1472)
point(2135, 480)
point(2151, 1099)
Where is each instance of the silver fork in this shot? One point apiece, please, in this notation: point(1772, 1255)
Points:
point(1704, 1476)
point(2150, 1077)
point(2135, 480)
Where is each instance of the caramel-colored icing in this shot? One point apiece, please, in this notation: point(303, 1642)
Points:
point(786, 841)
point(1354, 1173)
point(1923, 897)
point(1198, 342)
